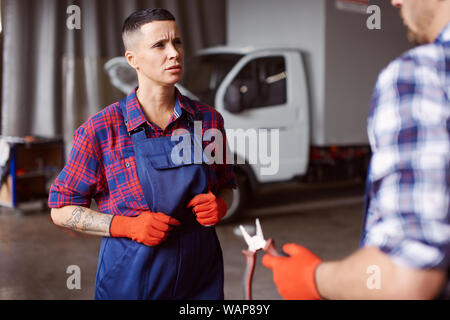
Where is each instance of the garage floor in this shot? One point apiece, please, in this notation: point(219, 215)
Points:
point(35, 254)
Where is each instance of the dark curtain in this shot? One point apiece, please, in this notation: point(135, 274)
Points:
point(53, 77)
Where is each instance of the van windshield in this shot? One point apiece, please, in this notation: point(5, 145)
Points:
point(204, 74)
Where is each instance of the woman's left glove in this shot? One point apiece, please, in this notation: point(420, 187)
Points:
point(208, 208)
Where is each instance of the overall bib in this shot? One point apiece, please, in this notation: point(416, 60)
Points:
point(188, 265)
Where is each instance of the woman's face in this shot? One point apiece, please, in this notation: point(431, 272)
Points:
point(158, 56)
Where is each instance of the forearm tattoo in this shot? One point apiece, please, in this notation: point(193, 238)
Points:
point(75, 218)
point(85, 220)
point(88, 221)
point(96, 222)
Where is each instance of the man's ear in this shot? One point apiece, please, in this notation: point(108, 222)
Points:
point(131, 59)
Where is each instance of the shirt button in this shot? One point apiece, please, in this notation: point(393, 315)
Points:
point(127, 164)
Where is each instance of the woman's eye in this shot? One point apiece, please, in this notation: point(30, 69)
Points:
point(158, 45)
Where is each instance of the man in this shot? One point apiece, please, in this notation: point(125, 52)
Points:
point(405, 247)
point(156, 215)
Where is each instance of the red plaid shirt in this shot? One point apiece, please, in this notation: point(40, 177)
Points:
point(102, 164)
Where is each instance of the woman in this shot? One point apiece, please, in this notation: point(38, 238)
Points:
point(155, 214)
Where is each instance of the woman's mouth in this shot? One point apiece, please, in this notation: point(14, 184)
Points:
point(174, 68)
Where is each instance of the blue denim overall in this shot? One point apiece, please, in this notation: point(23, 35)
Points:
point(188, 265)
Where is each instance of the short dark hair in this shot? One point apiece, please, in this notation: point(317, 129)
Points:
point(137, 19)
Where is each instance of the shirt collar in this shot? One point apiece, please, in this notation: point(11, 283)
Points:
point(444, 36)
point(183, 103)
point(136, 116)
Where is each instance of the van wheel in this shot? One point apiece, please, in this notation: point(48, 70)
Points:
point(239, 198)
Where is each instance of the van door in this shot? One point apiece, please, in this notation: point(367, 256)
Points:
point(266, 93)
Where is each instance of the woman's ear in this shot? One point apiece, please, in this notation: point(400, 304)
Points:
point(131, 59)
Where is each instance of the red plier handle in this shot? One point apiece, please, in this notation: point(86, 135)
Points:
point(255, 243)
point(270, 249)
point(250, 257)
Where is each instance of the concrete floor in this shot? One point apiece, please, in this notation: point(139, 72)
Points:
point(35, 254)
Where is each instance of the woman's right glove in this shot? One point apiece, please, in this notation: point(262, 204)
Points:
point(149, 228)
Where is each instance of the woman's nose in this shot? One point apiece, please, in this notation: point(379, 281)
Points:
point(397, 3)
point(173, 52)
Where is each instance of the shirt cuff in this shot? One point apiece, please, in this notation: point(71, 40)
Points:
point(409, 253)
point(61, 198)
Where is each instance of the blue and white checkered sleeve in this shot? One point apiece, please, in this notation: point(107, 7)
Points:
point(408, 216)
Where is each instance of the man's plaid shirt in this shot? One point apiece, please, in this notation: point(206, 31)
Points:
point(409, 131)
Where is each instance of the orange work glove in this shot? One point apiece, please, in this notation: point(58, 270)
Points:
point(294, 275)
point(208, 208)
point(149, 228)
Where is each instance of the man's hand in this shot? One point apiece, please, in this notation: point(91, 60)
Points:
point(208, 208)
point(294, 275)
point(149, 228)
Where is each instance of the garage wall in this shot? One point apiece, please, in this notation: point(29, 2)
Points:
point(344, 57)
point(354, 57)
point(53, 77)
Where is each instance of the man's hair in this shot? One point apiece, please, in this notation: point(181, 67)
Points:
point(137, 19)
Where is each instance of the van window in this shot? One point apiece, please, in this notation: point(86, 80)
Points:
point(261, 83)
point(203, 74)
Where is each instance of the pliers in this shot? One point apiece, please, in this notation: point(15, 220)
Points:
point(255, 243)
